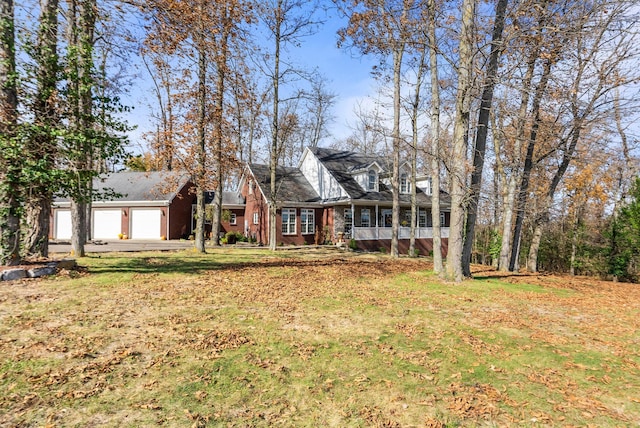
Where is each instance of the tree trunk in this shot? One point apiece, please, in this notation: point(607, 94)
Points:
point(532, 259)
point(273, 152)
point(481, 135)
point(43, 145)
point(201, 214)
point(528, 164)
point(395, 178)
point(38, 219)
point(414, 150)
point(201, 173)
point(435, 141)
point(510, 197)
point(78, 226)
point(82, 18)
point(10, 186)
point(217, 212)
point(458, 159)
point(221, 60)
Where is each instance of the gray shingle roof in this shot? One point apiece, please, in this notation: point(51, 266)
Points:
point(291, 184)
point(141, 186)
point(228, 198)
point(342, 164)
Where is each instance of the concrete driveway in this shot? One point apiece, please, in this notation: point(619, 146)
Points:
point(128, 245)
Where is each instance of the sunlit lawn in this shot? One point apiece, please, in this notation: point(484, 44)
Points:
point(313, 338)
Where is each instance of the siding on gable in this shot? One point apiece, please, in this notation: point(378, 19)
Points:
point(363, 180)
point(321, 180)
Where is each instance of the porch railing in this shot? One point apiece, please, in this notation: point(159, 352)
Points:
point(373, 233)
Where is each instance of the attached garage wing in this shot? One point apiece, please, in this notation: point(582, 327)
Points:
point(146, 223)
point(62, 225)
point(107, 223)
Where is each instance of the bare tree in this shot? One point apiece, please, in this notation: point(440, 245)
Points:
point(434, 158)
point(458, 165)
point(481, 134)
point(287, 22)
point(319, 102)
point(605, 44)
point(385, 29)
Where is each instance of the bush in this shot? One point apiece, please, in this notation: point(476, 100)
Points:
point(353, 245)
point(233, 237)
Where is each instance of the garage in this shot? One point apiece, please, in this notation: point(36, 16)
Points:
point(107, 223)
point(146, 223)
point(62, 224)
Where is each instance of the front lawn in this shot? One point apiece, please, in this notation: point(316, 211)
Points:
point(310, 338)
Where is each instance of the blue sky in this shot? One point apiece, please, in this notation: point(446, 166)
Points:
point(348, 76)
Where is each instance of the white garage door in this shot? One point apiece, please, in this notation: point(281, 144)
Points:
point(63, 224)
point(107, 224)
point(145, 223)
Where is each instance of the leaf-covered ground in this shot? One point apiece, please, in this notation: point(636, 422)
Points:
point(312, 338)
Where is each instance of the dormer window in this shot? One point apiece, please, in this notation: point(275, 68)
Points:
point(373, 181)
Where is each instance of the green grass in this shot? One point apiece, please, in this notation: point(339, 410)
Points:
point(248, 338)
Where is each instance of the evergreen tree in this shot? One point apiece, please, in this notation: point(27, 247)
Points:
point(624, 235)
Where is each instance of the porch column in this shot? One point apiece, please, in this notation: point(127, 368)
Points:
point(377, 215)
point(353, 222)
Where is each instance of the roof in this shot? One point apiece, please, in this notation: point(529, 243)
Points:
point(157, 186)
point(292, 185)
point(342, 164)
point(228, 198)
point(152, 188)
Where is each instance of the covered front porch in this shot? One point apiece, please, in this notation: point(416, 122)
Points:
point(373, 223)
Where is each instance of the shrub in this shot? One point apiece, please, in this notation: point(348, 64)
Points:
point(353, 245)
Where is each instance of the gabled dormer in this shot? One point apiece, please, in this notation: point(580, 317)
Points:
point(368, 176)
point(404, 180)
point(425, 184)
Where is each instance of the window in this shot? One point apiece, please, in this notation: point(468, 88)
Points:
point(422, 219)
point(288, 221)
point(373, 181)
point(256, 218)
point(442, 218)
point(307, 221)
point(404, 183)
point(386, 218)
point(348, 220)
point(232, 219)
point(365, 217)
point(406, 218)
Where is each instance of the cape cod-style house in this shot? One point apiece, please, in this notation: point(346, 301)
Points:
point(332, 196)
point(336, 195)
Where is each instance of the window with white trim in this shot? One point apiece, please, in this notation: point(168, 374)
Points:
point(307, 221)
point(404, 183)
point(365, 217)
point(406, 220)
point(442, 218)
point(348, 220)
point(256, 218)
point(386, 218)
point(422, 218)
point(288, 221)
point(233, 219)
point(373, 181)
